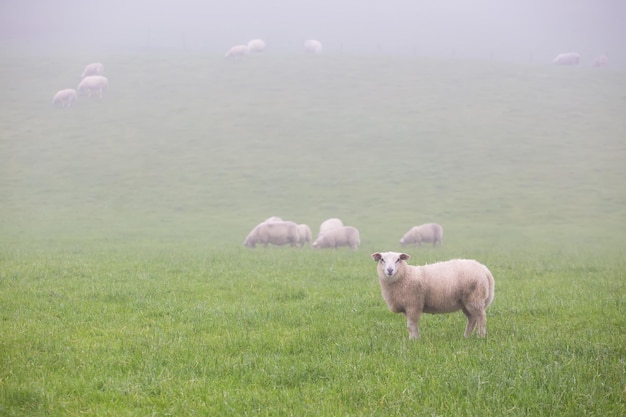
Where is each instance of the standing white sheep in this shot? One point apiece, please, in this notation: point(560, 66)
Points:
point(95, 68)
point(91, 83)
point(66, 98)
point(600, 61)
point(237, 51)
point(443, 287)
point(312, 46)
point(330, 224)
point(256, 45)
point(342, 236)
point(276, 232)
point(567, 58)
point(425, 233)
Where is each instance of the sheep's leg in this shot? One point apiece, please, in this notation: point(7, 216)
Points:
point(412, 322)
point(471, 322)
point(482, 323)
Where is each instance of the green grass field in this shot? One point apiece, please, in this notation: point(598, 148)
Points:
point(125, 289)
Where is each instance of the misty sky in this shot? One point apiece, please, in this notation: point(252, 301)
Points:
point(501, 29)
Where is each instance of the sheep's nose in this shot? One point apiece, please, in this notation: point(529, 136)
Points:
point(389, 271)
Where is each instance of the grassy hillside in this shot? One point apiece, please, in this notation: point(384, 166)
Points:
point(125, 288)
point(209, 147)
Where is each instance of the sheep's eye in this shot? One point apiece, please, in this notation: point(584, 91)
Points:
point(382, 261)
point(397, 260)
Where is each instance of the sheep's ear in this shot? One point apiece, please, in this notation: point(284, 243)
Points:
point(404, 256)
point(376, 256)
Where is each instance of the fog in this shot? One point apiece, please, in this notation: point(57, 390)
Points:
point(525, 31)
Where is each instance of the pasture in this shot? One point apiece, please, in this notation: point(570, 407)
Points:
point(125, 288)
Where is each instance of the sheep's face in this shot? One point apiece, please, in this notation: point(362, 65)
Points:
point(388, 262)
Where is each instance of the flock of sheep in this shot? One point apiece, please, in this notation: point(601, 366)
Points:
point(332, 234)
point(442, 287)
point(258, 45)
point(92, 81)
point(573, 58)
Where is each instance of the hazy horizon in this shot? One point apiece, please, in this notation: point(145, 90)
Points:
point(530, 31)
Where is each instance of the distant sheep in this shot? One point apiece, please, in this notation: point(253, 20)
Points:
point(93, 83)
point(277, 233)
point(304, 234)
point(567, 58)
point(600, 61)
point(443, 287)
point(425, 233)
point(95, 68)
point(342, 236)
point(330, 224)
point(256, 45)
point(312, 46)
point(237, 51)
point(66, 98)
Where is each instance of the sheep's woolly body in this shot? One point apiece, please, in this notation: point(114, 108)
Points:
point(276, 233)
point(425, 233)
point(95, 68)
point(256, 45)
point(66, 97)
point(313, 46)
point(443, 287)
point(238, 51)
point(567, 58)
point(342, 236)
point(93, 83)
point(330, 224)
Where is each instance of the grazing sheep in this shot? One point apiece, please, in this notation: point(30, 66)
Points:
point(429, 232)
point(330, 224)
point(342, 236)
point(277, 233)
point(95, 68)
point(567, 58)
point(91, 83)
point(304, 234)
point(237, 51)
point(312, 46)
point(256, 45)
point(443, 287)
point(600, 61)
point(66, 98)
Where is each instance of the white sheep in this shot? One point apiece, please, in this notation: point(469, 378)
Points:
point(277, 233)
point(330, 224)
point(66, 97)
point(256, 45)
point(425, 233)
point(567, 58)
point(312, 46)
point(95, 68)
point(342, 236)
point(304, 234)
point(237, 51)
point(600, 61)
point(273, 219)
point(93, 83)
point(443, 287)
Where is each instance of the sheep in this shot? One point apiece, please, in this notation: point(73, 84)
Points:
point(330, 224)
point(237, 51)
point(66, 97)
point(312, 46)
point(567, 58)
point(600, 61)
point(95, 68)
point(429, 232)
point(304, 234)
point(91, 83)
point(342, 236)
point(443, 287)
point(277, 233)
point(256, 45)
